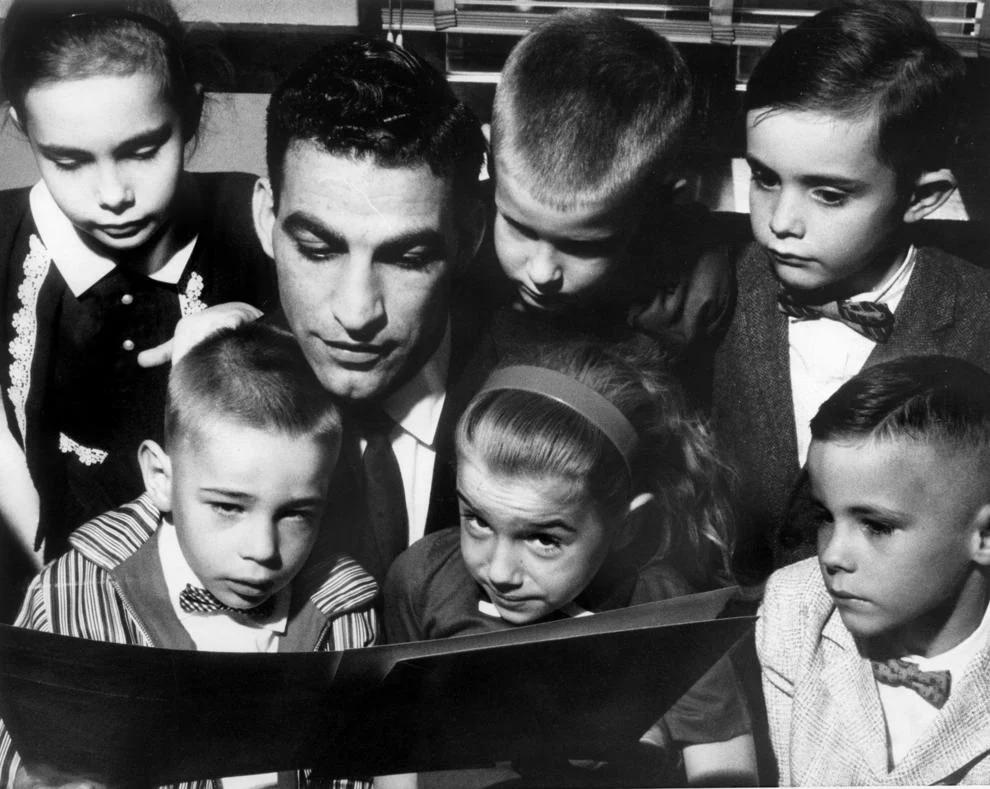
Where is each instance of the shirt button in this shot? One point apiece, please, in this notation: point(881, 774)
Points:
point(128, 345)
point(127, 299)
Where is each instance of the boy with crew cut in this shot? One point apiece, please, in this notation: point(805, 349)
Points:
point(587, 125)
point(217, 554)
point(876, 656)
point(849, 130)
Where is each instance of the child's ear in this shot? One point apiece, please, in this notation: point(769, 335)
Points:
point(156, 470)
point(638, 514)
point(981, 536)
point(263, 206)
point(930, 191)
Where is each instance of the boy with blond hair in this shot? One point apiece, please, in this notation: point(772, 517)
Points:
point(218, 553)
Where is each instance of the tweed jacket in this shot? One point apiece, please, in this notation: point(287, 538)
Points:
point(110, 587)
point(826, 721)
point(944, 310)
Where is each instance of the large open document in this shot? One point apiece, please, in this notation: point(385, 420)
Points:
point(581, 688)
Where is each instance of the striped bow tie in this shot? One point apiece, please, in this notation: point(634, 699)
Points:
point(932, 686)
point(195, 600)
point(873, 320)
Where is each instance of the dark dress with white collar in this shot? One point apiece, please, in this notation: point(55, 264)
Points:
point(74, 396)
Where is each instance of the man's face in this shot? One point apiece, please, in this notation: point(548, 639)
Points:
point(364, 256)
point(822, 204)
point(898, 529)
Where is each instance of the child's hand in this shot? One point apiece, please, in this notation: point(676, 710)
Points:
point(195, 328)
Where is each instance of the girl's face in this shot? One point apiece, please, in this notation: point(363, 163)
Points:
point(532, 544)
point(110, 149)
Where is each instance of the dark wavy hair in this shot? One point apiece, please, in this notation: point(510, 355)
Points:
point(880, 58)
point(938, 399)
point(366, 97)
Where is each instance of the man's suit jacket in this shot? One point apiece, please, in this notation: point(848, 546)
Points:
point(826, 721)
point(945, 310)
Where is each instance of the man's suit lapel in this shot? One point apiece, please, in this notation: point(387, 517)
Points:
point(927, 309)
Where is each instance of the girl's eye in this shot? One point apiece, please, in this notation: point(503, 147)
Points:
point(546, 545)
point(472, 522)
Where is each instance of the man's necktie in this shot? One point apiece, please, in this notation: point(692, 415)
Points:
point(873, 320)
point(196, 600)
point(384, 495)
point(932, 686)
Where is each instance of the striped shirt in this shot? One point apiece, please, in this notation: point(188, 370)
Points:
point(80, 595)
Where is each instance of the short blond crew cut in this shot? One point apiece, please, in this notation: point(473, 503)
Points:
point(590, 106)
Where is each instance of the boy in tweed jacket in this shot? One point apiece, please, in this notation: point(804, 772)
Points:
point(876, 655)
point(849, 131)
point(218, 554)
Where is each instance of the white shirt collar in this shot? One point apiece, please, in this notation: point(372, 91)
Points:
point(416, 406)
point(891, 290)
point(178, 573)
point(961, 655)
point(80, 266)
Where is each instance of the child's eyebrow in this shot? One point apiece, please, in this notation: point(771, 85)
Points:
point(811, 179)
point(238, 495)
point(147, 138)
point(873, 509)
point(150, 137)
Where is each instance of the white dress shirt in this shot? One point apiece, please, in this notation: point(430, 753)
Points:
point(416, 407)
point(824, 353)
point(908, 715)
point(219, 632)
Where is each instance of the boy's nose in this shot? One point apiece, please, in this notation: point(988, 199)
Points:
point(543, 270)
point(113, 192)
point(503, 568)
point(356, 299)
point(259, 541)
point(786, 219)
point(835, 549)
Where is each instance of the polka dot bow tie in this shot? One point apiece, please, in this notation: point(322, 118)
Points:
point(195, 600)
point(932, 686)
point(873, 320)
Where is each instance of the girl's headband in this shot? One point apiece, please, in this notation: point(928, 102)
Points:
point(575, 395)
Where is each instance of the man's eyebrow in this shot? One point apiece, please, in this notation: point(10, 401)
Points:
point(302, 222)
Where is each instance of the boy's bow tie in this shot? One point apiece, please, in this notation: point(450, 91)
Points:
point(195, 600)
point(932, 686)
point(873, 320)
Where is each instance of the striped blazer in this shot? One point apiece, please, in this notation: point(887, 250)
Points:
point(826, 722)
point(110, 587)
